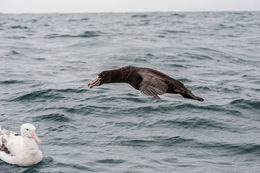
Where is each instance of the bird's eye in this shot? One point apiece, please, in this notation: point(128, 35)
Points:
point(27, 129)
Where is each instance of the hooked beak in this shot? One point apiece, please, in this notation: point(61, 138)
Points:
point(94, 82)
point(35, 137)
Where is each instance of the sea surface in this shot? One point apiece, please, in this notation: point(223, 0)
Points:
point(47, 60)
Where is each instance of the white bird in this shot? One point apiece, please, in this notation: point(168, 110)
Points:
point(21, 149)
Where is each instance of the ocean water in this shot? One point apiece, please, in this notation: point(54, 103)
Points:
point(47, 60)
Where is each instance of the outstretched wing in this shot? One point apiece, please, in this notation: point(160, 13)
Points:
point(152, 86)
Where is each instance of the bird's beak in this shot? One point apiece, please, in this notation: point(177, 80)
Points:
point(95, 82)
point(35, 137)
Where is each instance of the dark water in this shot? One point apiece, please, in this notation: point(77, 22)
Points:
point(47, 60)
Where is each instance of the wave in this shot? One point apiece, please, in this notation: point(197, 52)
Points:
point(81, 109)
point(70, 166)
point(34, 20)
point(182, 107)
point(175, 32)
point(215, 108)
point(246, 104)
point(86, 34)
point(139, 16)
point(78, 20)
point(38, 95)
point(178, 15)
point(209, 50)
point(54, 117)
point(70, 90)
point(16, 37)
point(150, 55)
point(155, 141)
point(141, 60)
point(221, 27)
point(177, 65)
point(146, 22)
point(60, 128)
point(84, 19)
point(73, 140)
point(19, 27)
point(201, 88)
point(13, 52)
point(229, 148)
point(184, 80)
point(192, 123)
point(125, 97)
point(48, 94)
point(198, 123)
point(232, 149)
point(111, 161)
point(196, 56)
point(129, 124)
point(9, 82)
point(63, 167)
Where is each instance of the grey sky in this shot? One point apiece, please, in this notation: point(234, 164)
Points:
point(46, 6)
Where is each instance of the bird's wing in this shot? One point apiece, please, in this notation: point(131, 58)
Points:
point(10, 142)
point(152, 86)
point(7, 132)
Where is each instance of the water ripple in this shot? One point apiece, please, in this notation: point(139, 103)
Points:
point(235, 149)
point(9, 82)
point(19, 27)
point(156, 141)
point(110, 161)
point(86, 34)
point(47, 94)
point(139, 16)
point(246, 104)
point(54, 117)
point(192, 123)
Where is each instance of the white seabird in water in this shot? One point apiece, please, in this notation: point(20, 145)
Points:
point(21, 149)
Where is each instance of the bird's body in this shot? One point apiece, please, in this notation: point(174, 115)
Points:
point(149, 81)
point(21, 149)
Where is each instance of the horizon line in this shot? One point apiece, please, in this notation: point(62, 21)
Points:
point(166, 11)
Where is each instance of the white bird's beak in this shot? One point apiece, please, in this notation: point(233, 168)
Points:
point(35, 137)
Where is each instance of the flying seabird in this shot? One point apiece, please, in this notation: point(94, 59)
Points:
point(149, 81)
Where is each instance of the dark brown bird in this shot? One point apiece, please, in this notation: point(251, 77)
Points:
point(149, 81)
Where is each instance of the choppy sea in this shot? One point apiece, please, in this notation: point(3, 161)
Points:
point(47, 60)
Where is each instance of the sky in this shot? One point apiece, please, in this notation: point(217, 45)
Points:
point(73, 6)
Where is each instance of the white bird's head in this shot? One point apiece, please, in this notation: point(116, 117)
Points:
point(28, 130)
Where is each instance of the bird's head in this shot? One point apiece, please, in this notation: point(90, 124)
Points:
point(28, 130)
point(103, 77)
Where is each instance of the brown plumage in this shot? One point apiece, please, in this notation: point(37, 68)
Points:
point(4, 149)
point(149, 81)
